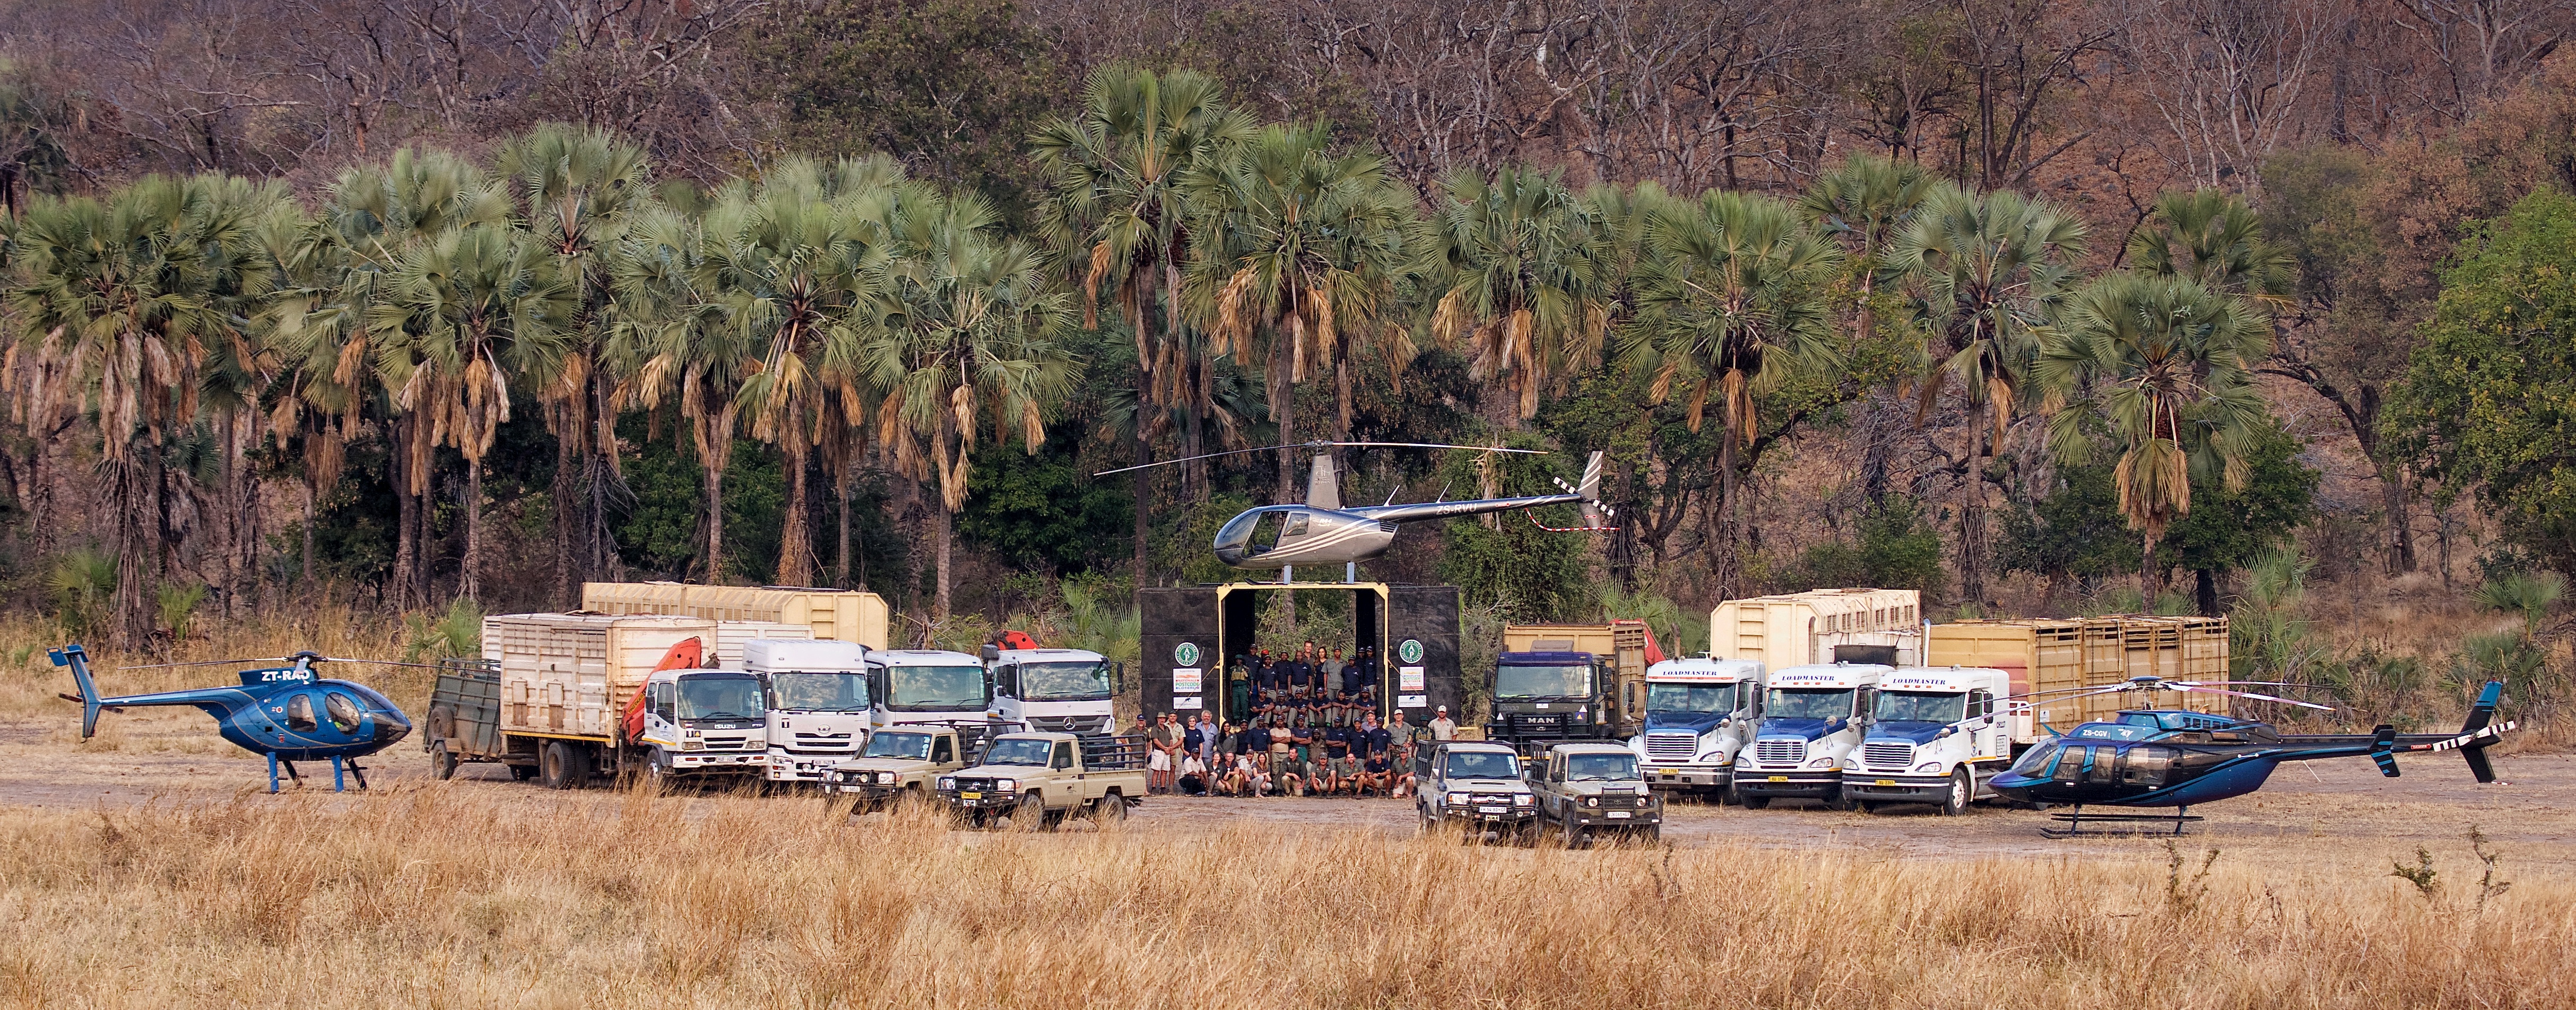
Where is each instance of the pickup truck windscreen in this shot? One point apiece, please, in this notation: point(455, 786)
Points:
point(1809, 703)
point(819, 692)
point(1518, 682)
point(1483, 765)
point(1705, 698)
point(1032, 753)
point(935, 688)
point(1600, 767)
point(1078, 681)
point(720, 697)
point(911, 746)
point(1916, 706)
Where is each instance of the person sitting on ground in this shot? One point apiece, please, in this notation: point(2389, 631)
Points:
point(1193, 781)
point(1373, 775)
point(1256, 774)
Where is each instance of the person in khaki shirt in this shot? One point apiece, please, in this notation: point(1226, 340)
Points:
point(1441, 727)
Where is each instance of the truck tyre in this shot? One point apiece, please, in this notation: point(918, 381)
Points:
point(1572, 834)
point(1962, 787)
point(1430, 824)
point(441, 763)
point(1867, 807)
point(1030, 815)
point(1654, 834)
point(557, 768)
point(657, 774)
point(1756, 802)
point(1836, 801)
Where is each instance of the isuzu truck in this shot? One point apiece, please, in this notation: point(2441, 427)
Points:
point(1699, 714)
point(1940, 736)
point(1812, 717)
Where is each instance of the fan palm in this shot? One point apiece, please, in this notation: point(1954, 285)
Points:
point(462, 318)
point(2168, 366)
point(671, 335)
point(1305, 247)
point(1862, 206)
point(1987, 271)
point(2211, 237)
point(577, 191)
point(967, 341)
point(1731, 300)
point(1522, 280)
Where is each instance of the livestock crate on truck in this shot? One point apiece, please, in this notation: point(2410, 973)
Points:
point(846, 615)
point(2069, 654)
point(1819, 626)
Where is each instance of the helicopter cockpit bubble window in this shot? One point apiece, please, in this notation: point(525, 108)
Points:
point(2035, 761)
point(344, 712)
point(299, 714)
point(1265, 531)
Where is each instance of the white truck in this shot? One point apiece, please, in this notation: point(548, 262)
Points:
point(1699, 714)
point(702, 723)
point(926, 685)
point(1812, 717)
point(1940, 735)
point(1053, 690)
point(818, 703)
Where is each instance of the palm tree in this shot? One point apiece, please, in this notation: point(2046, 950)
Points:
point(2168, 366)
point(1987, 270)
point(577, 190)
point(792, 266)
point(1863, 206)
point(1305, 246)
point(671, 335)
point(1521, 278)
point(967, 341)
point(130, 292)
point(1116, 209)
point(1731, 300)
point(2211, 237)
point(463, 317)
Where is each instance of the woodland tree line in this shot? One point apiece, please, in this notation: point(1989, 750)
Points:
point(463, 298)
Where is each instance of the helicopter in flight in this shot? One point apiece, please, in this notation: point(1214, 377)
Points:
point(1322, 531)
point(285, 713)
point(2158, 758)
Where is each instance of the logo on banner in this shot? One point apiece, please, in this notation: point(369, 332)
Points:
point(1185, 654)
point(1409, 650)
point(1185, 680)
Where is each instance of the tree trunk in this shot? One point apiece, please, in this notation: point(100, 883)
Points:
point(304, 567)
point(1972, 511)
point(2205, 592)
point(713, 478)
point(841, 560)
point(2150, 585)
point(795, 535)
point(469, 574)
point(941, 531)
point(2401, 530)
point(407, 547)
point(1140, 485)
point(568, 509)
point(133, 525)
point(1721, 527)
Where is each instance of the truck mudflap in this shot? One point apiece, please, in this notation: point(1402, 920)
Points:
point(1789, 784)
point(1897, 788)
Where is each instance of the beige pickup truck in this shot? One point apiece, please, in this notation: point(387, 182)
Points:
point(905, 760)
point(1037, 780)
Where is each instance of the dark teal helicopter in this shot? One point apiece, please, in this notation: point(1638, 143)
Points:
point(285, 713)
point(2167, 759)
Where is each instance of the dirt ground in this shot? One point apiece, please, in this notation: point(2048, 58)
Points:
point(173, 756)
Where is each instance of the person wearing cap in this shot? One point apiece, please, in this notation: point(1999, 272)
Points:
point(1441, 726)
point(1238, 688)
point(1358, 672)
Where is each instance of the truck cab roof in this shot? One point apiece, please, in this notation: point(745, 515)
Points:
point(1048, 656)
point(764, 655)
point(667, 675)
point(1705, 670)
point(1831, 675)
point(1947, 679)
point(921, 657)
point(1544, 657)
point(1035, 736)
point(1592, 748)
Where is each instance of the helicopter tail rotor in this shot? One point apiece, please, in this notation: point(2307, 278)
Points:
point(2480, 732)
point(78, 659)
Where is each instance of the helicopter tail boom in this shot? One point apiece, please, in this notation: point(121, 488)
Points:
point(78, 659)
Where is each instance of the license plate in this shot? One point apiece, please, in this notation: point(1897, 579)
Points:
point(1887, 782)
point(1779, 778)
point(1668, 773)
point(1618, 815)
point(970, 796)
point(1489, 810)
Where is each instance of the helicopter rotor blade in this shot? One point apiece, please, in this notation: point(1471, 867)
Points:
point(1321, 445)
point(212, 662)
point(2258, 697)
point(375, 662)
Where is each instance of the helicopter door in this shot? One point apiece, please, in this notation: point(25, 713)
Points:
point(299, 714)
point(347, 718)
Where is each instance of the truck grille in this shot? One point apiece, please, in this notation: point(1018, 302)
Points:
point(826, 742)
point(1887, 755)
point(1068, 724)
point(1780, 752)
point(731, 743)
point(975, 785)
point(1671, 746)
point(1546, 722)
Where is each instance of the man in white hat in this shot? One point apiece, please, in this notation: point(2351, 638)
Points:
point(1441, 727)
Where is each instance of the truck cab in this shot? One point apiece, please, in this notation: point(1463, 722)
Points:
point(1039, 779)
point(907, 761)
point(1699, 714)
point(704, 723)
point(1539, 696)
point(1587, 788)
point(1053, 690)
point(1812, 717)
point(926, 685)
point(1475, 784)
point(818, 703)
point(1940, 737)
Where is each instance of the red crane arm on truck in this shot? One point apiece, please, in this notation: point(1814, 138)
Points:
point(682, 655)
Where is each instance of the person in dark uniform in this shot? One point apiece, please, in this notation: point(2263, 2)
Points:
point(1361, 671)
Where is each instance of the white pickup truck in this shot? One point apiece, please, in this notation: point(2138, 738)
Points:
point(1699, 714)
point(1811, 717)
point(1941, 734)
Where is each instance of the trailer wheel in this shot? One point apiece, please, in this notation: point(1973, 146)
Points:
point(441, 763)
point(1962, 788)
point(560, 767)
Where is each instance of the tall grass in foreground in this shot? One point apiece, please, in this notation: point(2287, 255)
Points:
point(453, 895)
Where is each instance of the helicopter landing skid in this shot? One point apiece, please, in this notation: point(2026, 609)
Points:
point(340, 766)
point(2079, 824)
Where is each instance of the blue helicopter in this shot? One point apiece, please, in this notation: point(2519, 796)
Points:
point(284, 713)
point(2157, 758)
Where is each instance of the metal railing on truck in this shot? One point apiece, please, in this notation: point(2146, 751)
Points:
point(465, 710)
point(1113, 753)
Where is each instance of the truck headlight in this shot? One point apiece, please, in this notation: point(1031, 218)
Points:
point(1592, 801)
point(1523, 799)
point(693, 744)
point(947, 783)
point(1457, 799)
point(885, 778)
point(1742, 761)
point(1006, 785)
point(1928, 767)
point(1821, 763)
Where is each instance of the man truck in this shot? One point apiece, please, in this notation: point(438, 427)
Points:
point(1053, 690)
point(818, 703)
point(1941, 734)
point(1812, 717)
point(1571, 681)
point(1699, 714)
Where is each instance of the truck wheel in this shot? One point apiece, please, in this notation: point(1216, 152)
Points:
point(441, 763)
point(555, 766)
point(1836, 801)
point(1961, 789)
point(1756, 802)
point(657, 774)
point(1572, 834)
point(1108, 810)
point(1030, 815)
point(1430, 824)
point(1654, 834)
point(1867, 807)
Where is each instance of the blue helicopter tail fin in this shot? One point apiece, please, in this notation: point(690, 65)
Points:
point(78, 659)
point(2383, 742)
point(2480, 732)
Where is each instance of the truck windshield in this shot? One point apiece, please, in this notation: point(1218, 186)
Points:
point(913, 746)
point(1483, 765)
point(1690, 697)
point(819, 692)
point(725, 697)
point(1602, 767)
point(1026, 751)
point(1078, 681)
point(1917, 706)
point(1514, 681)
point(1809, 703)
point(935, 688)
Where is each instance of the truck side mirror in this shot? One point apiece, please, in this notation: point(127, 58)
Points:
point(992, 653)
point(1117, 678)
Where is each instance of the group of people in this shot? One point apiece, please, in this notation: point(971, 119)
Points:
point(1309, 683)
point(1287, 755)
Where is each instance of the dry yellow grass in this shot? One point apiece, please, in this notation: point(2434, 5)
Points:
point(459, 895)
point(29, 681)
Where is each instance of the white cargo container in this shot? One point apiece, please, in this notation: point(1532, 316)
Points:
point(846, 615)
point(1801, 629)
